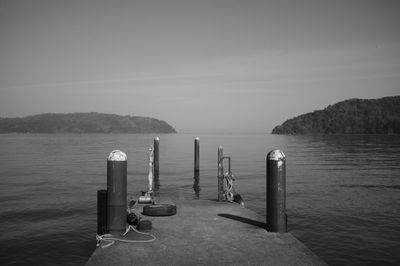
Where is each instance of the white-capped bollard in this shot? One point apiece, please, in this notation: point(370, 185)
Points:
point(276, 192)
point(116, 191)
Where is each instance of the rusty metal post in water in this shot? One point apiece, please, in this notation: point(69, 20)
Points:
point(196, 155)
point(276, 192)
point(116, 191)
point(220, 174)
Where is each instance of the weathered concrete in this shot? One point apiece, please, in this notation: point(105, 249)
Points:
point(207, 232)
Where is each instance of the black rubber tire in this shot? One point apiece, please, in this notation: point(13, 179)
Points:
point(159, 210)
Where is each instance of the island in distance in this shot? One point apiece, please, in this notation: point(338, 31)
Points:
point(353, 116)
point(84, 123)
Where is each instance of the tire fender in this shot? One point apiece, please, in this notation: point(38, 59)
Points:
point(159, 210)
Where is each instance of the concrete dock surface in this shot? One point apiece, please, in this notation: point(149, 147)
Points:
point(207, 232)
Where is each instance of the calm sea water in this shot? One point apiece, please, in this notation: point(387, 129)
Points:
point(343, 192)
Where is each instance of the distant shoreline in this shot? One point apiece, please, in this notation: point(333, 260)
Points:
point(353, 116)
point(96, 123)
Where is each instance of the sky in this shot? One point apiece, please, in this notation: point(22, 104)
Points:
point(202, 66)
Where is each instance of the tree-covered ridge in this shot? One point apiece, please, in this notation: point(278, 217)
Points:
point(84, 123)
point(354, 116)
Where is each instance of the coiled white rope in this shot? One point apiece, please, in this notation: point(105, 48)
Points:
point(229, 192)
point(110, 238)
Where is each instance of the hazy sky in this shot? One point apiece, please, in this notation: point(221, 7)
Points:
point(202, 66)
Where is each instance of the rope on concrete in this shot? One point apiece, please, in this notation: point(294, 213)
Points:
point(111, 239)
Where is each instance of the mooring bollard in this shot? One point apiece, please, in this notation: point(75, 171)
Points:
point(101, 212)
point(220, 174)
point(276, 192)
point(196, 155)
point(116, 191)
point(156, 158)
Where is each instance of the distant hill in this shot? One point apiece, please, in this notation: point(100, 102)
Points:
point(84, 123)
point(354, 116)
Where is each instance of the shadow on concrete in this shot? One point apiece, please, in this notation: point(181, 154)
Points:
point(243, 220)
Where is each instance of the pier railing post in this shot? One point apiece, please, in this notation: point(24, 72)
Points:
point(150, 177)
point(276, 192)
point(116, 191)
point(196, 155)
point(220, 174)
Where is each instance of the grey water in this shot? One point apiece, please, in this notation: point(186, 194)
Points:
point(343, 191)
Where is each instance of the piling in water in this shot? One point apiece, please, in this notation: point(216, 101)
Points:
point(196, 185)
point(156, 158)
point(116, 191)
point(220, 174)
point(276, 192)
point(196, 155)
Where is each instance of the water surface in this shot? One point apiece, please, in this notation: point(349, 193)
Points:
point(343, 192)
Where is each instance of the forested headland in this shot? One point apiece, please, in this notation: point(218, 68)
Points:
point(353, 116)
point(84, 123)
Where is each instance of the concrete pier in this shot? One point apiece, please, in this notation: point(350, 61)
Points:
point(207, 232)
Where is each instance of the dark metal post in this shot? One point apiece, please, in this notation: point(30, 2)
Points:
point(196, 155)
point(196, 184)
point(116, 191)
point(156, 159)
point(101, 212)
point(276, 192)
point(220, 174)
